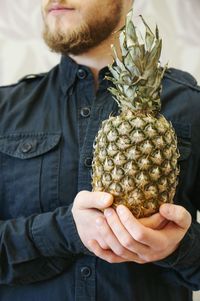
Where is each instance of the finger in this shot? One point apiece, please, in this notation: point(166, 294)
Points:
point(123, 236)
point(177, 214)
point(112, 241)
point(102, 244)
point(155, 221)
point(109, 255)
point(97, 200)
point(106, 255)
point(138, 231)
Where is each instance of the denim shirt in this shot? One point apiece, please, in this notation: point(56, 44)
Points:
point(48, 123)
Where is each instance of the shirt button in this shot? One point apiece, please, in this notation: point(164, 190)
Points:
point(81, 73)
point(85, 112)
point(26, 147)
point(85, 272)
point(88, 162)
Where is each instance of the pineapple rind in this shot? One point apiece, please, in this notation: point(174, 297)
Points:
point(142, 172)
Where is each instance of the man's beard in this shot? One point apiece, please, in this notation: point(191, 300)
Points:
point(87, 36)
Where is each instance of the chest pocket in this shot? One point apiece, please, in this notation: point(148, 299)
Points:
point(29, 169)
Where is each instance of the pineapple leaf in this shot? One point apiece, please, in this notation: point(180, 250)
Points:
point(117, 60)
point(136, 71)
point(122, 40)
point(149, 37)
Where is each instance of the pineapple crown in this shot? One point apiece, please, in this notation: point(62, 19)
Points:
point(137, 74)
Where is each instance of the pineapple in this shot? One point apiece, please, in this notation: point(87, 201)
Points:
point(135, 153)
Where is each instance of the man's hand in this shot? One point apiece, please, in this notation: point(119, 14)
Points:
point(147, 240)
point(86, 209)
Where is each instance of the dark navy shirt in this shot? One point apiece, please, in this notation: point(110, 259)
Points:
point(48, 123)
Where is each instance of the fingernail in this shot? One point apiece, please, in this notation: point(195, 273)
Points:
point(104, 199)
point(120, 209)
point(108, 212)
point(166, 208)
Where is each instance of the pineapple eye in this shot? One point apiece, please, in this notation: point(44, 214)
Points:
point(174, 162)
point(108, 165)
point(168, 138)
point(123, 142)
point(128, 184)
point(130, 169)
point(150, 192)
point(124, 128)
point(136, 197)
point(161, 126)
point(137, 123)
point(117, 174)
point(129, 115)
point(115, 189)
point(164, 197)
point(166, 167)
point(98, 186)
point(150, 131)
point(112, 135)
point(112, 149)
point(156, 157)
point(106, 127)
point(155, 173)
point(149, 119)
point(133, 153)
point(116, 121)
point(101, 141)
point(162, 184)
point(146, 147)
point(159, 142)
point(137, 136)
point(167, 152)
point(119, 159)
point(106, 179)
point(141, 179)
point(144, 163)
point(102, 154)
point(172, 178)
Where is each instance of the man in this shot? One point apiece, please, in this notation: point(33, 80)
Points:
point(56, 241)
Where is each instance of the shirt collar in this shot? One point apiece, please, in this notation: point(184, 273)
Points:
point(68, 70)
point(69, 73)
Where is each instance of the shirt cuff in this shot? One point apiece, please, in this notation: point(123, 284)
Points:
point(55, 234)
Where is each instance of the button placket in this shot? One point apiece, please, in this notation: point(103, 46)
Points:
point(88, 162)
point(86, 278)
point(85, 112)
point(85, 272)
point(81, 73)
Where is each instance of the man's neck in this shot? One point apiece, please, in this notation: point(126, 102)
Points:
point(96, 58)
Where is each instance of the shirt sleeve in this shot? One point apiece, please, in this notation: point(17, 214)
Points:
point(38, 247)
point(183, 266)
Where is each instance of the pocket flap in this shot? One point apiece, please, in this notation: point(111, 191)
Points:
point(28, 145)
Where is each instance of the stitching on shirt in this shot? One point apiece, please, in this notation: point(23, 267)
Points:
point(185, 83)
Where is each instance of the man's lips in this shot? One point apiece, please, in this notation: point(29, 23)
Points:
point(58, 8)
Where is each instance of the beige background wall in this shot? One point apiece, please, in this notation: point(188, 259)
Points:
point(22, 50)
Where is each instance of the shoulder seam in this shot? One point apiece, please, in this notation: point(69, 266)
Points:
point(32, 76)
point(28, 77)
point(195, 87)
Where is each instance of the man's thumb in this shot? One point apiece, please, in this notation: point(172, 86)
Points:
point(177, 214)
point(98, 200)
